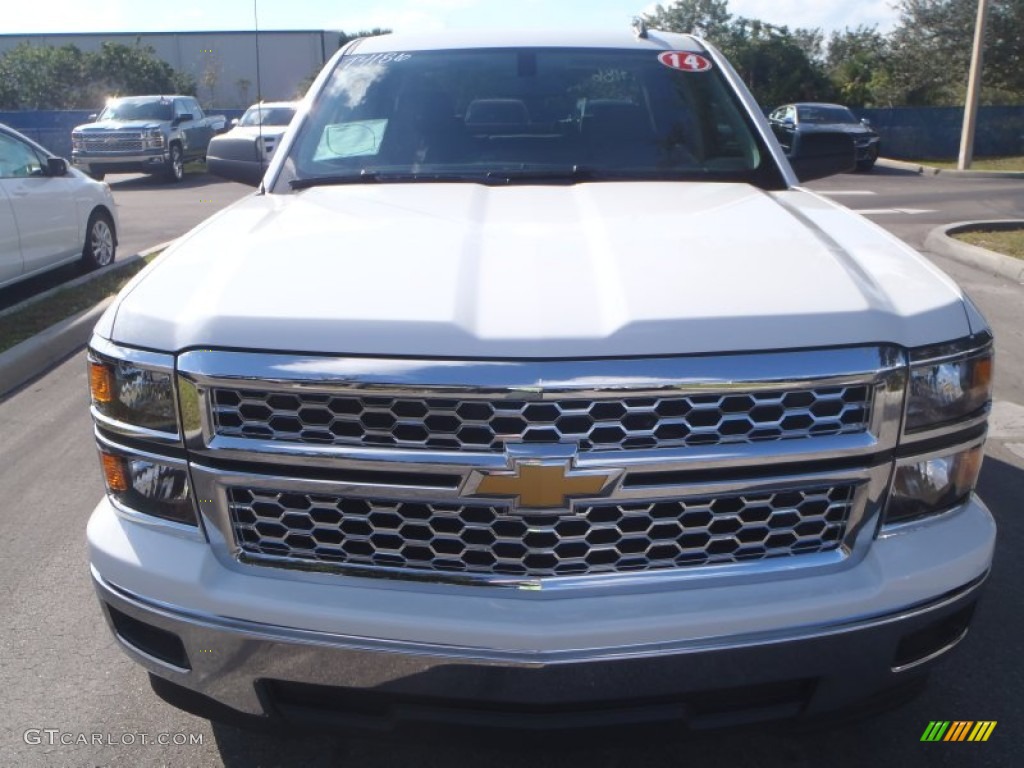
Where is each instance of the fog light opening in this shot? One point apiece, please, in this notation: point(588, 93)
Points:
point(933, 640)
point(158, 644)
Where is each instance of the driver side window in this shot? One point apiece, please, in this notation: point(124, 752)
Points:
point(18, 160)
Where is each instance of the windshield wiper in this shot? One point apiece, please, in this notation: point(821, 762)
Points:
point(378, 177)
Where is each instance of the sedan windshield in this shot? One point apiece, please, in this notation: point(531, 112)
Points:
point(830, 115)
point(508, 116)
point(128, 109)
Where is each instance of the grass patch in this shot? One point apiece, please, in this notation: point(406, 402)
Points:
point(1008, 241)
point(37, 317)
point(1014, 163)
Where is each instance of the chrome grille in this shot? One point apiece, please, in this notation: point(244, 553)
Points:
point(327, 529)
point(595, 424)
point(122, 142)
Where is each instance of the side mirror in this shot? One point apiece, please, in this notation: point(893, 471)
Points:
point(243, 171)
point(183, 118)
point(865, 122)
point(93, 116)
point(234, 122)
point(816, 155)
point(56, 166)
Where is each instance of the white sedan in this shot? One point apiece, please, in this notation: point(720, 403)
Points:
point(50, 214)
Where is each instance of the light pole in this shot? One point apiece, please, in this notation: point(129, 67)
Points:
point(973, 90)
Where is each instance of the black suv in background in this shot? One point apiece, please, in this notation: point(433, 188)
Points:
point(790, 121)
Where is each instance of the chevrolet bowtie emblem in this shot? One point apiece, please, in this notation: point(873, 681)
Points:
point(541, 485)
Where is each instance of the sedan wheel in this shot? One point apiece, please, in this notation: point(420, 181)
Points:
point(99, 242)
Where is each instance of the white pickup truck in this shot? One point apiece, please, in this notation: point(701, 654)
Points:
point(532, 389)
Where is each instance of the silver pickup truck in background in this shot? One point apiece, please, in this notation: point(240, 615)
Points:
point(145, 134)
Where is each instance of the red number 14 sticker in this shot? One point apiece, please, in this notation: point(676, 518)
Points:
point(687, 62)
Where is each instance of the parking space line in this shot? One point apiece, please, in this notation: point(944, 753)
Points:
point(889, 211)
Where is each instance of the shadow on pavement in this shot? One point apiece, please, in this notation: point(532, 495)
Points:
point(882, 170)
point(192, 180)
point(19, 292)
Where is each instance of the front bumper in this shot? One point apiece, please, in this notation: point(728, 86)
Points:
point(366, 654)
point(114, 162)
point(867, 151)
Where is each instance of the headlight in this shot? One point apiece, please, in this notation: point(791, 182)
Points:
point(133, 395)
point(154, 137)
point(147, 484)
point(949, 389)
point(76, 141)
point(141, 453)
point(927, 485)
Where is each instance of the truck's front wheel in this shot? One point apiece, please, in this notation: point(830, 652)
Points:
point(175, 170)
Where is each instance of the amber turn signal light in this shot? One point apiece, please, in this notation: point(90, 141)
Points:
point(114, 472)
point(101, 382)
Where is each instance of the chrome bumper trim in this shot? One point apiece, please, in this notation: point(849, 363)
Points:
point(181, 620)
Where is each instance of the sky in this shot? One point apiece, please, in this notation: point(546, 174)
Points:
point(412, 15)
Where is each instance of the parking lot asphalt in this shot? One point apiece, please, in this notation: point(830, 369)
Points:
point(60, 670)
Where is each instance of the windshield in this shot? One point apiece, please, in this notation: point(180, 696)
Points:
point(270, 116)
point(831, 115)
point(137, 110)
point(518, 115)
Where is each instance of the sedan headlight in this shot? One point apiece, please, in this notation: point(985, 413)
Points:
point(133, 395)
point(949, 389)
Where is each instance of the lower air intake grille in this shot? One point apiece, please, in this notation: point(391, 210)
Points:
point(492, 540)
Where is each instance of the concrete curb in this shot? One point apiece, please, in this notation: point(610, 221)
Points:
point(940, 242)
point(87, 278)
point(900, 165)
point(929, 170)
point(23, 362)
point(27, 360)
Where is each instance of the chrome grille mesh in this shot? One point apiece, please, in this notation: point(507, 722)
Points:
point(595, 424)
point(487, 539)
point(122, 142)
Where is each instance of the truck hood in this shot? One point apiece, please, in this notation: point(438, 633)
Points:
point(119, 125)
point(587, 270)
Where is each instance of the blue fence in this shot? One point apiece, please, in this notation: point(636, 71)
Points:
point(923, 132)
point(907, 132)
point(53, 129)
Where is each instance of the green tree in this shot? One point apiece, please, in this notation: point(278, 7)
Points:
point(130, 70)
point(48, 77)
point(708, 18)
point(934, 39)
point(42, 77)
point(858, 63)
point(776, 63)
